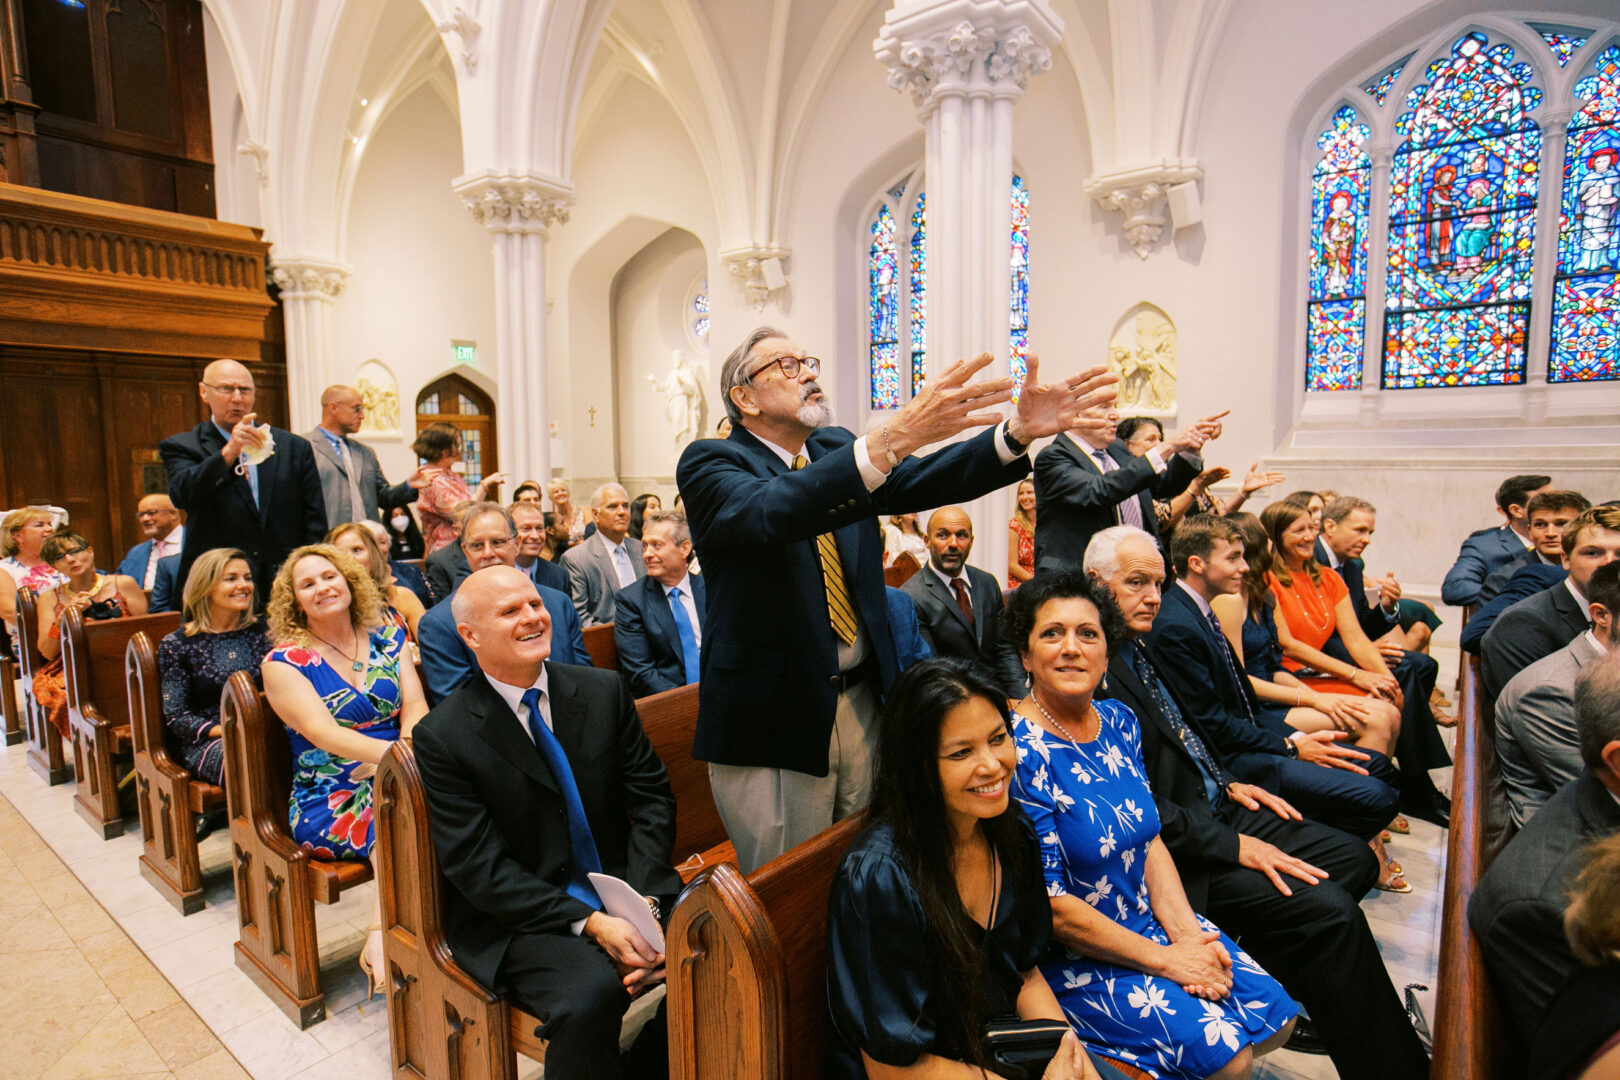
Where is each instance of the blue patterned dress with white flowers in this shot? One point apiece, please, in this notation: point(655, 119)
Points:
point(1094, 815)
point(330, 806)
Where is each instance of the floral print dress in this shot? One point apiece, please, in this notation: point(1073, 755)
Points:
point(330, 807)
point(1094, 815)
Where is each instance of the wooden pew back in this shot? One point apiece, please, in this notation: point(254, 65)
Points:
point(899, 572)
point(44, 744)
point(670, 721)
point(1468, 1029)
point(747, 964)
point(603, 649)
point(10, 707)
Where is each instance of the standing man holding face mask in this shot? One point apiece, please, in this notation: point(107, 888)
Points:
point(232, 494)
point(352, 481)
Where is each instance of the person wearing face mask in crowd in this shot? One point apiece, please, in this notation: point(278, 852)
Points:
point(404, 538)
point(440, 446)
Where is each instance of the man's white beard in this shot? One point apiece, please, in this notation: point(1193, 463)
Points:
point(816, 414)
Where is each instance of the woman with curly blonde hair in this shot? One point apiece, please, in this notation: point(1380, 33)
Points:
point(337, 679)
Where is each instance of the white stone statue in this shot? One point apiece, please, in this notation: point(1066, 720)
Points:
point(682, 390)
point(1143, 355)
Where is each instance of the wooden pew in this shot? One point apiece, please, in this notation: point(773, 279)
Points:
point(168, 797)
point(44, 744)
point(278, 883)
point(1469, 1038)
point(899, 572)
point(10, 706)
point(442, 1022)
point(603, 649)
point(98, 708)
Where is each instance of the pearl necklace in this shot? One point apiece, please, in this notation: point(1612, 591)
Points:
point(1054, 720)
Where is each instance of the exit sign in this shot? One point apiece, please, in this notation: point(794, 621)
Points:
point(464, 352)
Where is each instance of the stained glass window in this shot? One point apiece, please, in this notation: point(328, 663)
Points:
point(1341, 188)
point(1461, 225)
point(1018, 305)
point(899, 365)
point(1586, 300)
point(1563, 45)
point(1379, 87)
point(700, 312)
point(883, 264)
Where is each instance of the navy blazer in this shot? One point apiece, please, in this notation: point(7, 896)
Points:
point(219, 504)
point(1528, 580)
point(910, 647)
point(1375, 621)
point(1183, 649)
point(447, 662)
point(769, 658)
point(167, 592)
point(498, 816)
point(1524, 633)
point(1481, 553)
point(648, 642)
point(1075, 500)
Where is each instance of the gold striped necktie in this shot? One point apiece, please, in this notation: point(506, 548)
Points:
point(840, 604)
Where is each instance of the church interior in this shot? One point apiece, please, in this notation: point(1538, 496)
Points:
point(1381, 240)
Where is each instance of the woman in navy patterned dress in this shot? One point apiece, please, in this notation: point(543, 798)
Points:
point(336, 678)
point(217, 638)
point(1140, 975)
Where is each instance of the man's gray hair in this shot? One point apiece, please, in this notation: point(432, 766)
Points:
point(679, 531)
point(1102, 554)
point(734, 372)
point(1344, 506)
point(1597, 708)
point(478, 510)
point(599, 496)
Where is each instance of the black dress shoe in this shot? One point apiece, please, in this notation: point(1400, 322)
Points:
point(204, 824)
point(1305, 1040)
point(1429, 805)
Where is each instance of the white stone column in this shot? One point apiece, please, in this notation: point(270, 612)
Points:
point(308, 286)
point(517, 210)
point(966, 62)
point(1549, 206)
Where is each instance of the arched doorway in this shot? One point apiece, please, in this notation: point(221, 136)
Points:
point(454, 400)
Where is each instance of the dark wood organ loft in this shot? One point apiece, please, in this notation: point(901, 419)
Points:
point(117, 283)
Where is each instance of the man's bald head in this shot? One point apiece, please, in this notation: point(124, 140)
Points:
point(504, 622)
point(156, 516)
point(342, 409)
point(950, 539)
point(227, 389)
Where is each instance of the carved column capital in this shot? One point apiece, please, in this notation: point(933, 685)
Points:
point(515, 203)
point(758, 270)
point(308, 278)
point(466, 28)
point(936, 50)
point(1139, 194)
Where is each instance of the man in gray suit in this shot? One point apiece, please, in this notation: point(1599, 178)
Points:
point(1517, 911)
point(1535, 716)
point(605, 562)
point(959, 607)
point(352, 483)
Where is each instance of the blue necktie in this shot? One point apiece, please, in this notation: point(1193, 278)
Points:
point(1224, 647)
point(581, 845)
point(683, 627)
point(1214, 789)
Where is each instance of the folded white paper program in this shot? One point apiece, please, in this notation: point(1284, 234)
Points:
point(622, 901)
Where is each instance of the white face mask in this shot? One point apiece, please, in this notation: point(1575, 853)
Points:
point(400, 522)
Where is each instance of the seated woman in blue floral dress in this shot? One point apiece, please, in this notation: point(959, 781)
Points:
point(1140, 975)
point(218, 637)
point(336, 678)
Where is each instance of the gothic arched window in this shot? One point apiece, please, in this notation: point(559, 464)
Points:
point(898, 231)
point(1586, 297)
point(1340, 192)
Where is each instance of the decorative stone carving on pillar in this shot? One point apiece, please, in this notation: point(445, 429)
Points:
point(467, 28)
point(759, 270)
point(308, 286)
point(965, 63)
point(1143, 354)
point(518, 209)
point(1139, 194)
point(260, 154)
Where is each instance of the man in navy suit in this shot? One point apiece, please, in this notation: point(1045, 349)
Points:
point(797, 646)
point(1526, 581)
point(1348, 788)
point(267, 509)
point(1551, 619)
point(1550, 512)
point(658, 621)
point(487, 538)
point(159, 522)
point(1087, 481)
point(1487, 549)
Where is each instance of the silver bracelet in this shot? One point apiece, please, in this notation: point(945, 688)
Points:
point(893, 461)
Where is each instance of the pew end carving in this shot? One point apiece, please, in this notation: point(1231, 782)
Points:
point(45, 754)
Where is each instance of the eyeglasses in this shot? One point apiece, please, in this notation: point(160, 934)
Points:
point(231, 391)
point(73, 551)
point(478, 547)
point(790, 366)
point(151, 513)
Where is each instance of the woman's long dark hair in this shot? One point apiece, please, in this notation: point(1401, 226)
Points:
point(638, 513)
point(1257, 553)
point(907, 796)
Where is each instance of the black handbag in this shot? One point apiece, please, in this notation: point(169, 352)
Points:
point(1022, 1049)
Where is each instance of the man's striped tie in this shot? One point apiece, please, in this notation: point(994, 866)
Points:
point(840, 604)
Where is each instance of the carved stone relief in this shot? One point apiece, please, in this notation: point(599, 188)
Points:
point(1143, 354)
point(379, 390)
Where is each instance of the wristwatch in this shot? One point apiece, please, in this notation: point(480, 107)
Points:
point(1013, 444)
point(1293, 748)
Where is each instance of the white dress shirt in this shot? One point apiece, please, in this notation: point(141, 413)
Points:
point(687, 602)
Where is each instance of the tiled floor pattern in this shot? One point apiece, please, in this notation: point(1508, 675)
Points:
point(76, 981)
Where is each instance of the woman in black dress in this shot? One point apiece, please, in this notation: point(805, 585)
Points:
point(939, 913)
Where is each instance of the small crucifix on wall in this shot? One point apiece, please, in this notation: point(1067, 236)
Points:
point(592, 411)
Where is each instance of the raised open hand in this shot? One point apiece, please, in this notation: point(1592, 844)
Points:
point(1048, 408)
